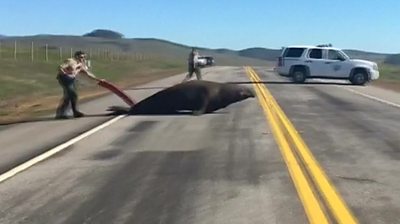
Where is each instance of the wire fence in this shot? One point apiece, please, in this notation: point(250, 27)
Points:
point(44, 52)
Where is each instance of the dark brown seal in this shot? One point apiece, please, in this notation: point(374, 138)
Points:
point(197, 96)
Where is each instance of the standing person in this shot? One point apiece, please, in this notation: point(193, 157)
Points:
point(193, 65)
point(66, 76)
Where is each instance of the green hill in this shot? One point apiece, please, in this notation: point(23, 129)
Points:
point(371, 56)
point(111, 41)
point(104, 34)
point(261, 53)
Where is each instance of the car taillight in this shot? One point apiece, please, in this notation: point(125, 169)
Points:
point(280, 61)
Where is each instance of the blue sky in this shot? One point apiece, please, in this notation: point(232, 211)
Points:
point(365, 25)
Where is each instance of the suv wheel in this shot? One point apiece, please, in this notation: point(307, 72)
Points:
point(299, 76)
point(360, 78)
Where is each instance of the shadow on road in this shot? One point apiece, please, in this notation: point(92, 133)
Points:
point(49, 119)
point(292, 83)
point(45, 119)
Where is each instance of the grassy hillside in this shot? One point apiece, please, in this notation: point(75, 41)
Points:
point(389, 72)
point(161, 48)
point(377, 57)
point(261, 53)
point(393, 59)
point(389, 77)
point(144, 46)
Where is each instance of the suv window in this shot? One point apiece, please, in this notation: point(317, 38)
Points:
point(293, 52)
point(335, 55)
point(316, 53)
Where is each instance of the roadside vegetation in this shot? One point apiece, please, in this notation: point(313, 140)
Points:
point(389, 72)
point(30, 88)
point(389, 77)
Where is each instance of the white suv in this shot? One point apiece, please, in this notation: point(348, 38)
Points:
point(302, 62)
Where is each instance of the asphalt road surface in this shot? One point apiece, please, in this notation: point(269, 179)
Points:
point(226, 167)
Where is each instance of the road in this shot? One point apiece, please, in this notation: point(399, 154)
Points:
point(225, 167)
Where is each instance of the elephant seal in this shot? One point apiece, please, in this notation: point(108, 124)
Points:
point(196, 96)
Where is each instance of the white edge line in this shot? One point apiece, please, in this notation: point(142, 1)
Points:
point(373, 97)
point(54, 150)
point(366, 95)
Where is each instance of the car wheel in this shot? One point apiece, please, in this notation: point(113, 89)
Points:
point(299, 76)
point(360, 78)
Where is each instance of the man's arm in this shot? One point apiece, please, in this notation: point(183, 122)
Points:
point(63, 68)
point(88, 74)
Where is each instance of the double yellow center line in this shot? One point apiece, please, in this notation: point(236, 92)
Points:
point(321, 201)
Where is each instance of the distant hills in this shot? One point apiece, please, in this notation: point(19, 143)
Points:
point(393, 59)
point(260, 53)
point(378, 57)
point(108, 34)
point(115, 41)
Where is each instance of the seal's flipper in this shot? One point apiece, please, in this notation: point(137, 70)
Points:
point(203, 106)
point(117, 110)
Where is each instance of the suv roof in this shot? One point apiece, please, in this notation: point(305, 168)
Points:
point(311, 46)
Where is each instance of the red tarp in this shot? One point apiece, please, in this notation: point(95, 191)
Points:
point(117, 91)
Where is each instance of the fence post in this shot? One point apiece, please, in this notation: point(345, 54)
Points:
point(15, 50)
point(0, 49)
point(32, 57)
point(71, 52)
point(47, 52)
point(60, 53)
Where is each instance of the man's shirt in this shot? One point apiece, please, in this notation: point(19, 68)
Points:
point(72, 67)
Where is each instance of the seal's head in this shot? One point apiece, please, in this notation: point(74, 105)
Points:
point(234, 93)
